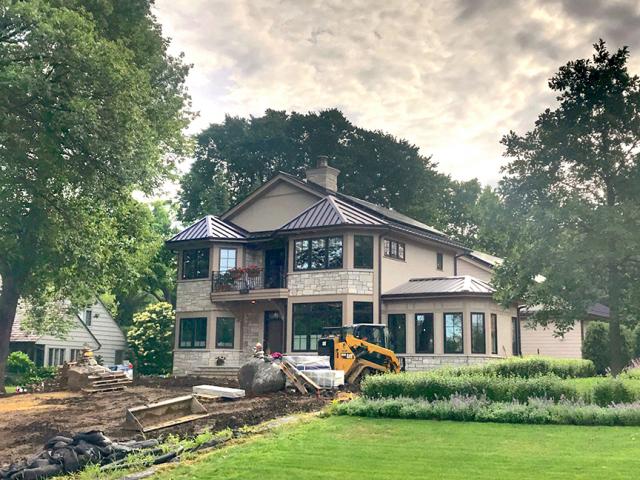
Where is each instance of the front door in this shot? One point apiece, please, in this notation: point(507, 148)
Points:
point(273, 332)
point(274, 268)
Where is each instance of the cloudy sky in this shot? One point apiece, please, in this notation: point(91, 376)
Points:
point(451, 76)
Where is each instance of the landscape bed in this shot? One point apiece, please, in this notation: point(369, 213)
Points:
point(356, 448)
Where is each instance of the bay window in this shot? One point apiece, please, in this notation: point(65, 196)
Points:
point(453, 336)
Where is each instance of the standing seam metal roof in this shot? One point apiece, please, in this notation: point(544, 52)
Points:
point(331, 211)
point(209, 227)
point(442, 285)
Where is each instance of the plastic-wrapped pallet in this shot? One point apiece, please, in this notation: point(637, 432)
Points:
point(309, 362)
point(326, 378)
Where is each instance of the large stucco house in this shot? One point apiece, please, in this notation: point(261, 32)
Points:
point(297, 255)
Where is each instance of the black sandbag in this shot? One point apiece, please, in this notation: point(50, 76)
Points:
point(95, 437)
point(58, 438)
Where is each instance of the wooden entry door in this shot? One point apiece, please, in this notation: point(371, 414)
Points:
point(273, 332)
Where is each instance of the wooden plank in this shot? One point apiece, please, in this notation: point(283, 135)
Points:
point(285, 367)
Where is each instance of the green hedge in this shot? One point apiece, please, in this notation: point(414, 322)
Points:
point(527, 367)
point(481, 410)
point(440, 385)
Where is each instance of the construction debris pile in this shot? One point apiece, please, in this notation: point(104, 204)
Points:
point(69, 454)
point(85, 374)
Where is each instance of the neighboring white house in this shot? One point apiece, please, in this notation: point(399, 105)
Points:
point(94, 327)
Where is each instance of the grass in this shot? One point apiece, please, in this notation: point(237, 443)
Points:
point(357, 448)
point(10, 389)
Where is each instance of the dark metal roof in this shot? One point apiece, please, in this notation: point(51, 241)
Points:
point(599, 310)
point(331, 211)
point(207, 228)
point(442, 286)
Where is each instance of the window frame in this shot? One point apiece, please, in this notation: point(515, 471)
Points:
point(439, 261)
point(88, 313)
point(192, 344)
point(399, 247)
point(392, 345)
point(233, 333)
point(444, 339)
point(338, 304)
point(235, 256)
point(484, 333)
point(494, 333)
point(362, 304)
point(204, 274)
point(427, 315)
point(308, 253)
point(365, 265)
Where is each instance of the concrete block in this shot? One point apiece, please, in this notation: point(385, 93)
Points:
point(214, 391)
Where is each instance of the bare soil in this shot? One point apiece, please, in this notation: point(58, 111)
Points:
point(27, 421)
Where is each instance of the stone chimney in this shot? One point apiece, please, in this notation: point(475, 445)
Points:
point(323, 174)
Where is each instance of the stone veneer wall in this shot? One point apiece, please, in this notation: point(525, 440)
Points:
point(193, 296)
point(330, 283)
point(430, 362)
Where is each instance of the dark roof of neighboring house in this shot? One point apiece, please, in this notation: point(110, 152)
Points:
point(486, 258)
point(209, 227)
point(435, 286)
point(598, 310)
point(331, 211)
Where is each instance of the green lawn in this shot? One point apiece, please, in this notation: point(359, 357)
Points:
point(362, 448)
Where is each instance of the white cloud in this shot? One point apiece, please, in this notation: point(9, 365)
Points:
point(450, 76)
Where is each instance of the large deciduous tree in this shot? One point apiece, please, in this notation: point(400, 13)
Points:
point(575, 182)
point(91, 107)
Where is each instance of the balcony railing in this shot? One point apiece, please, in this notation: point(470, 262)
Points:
point(243, 282)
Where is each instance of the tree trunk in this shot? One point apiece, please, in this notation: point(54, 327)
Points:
point(9, 297)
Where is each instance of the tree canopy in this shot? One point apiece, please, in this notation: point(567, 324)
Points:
point(91, 107)
point(574, 183)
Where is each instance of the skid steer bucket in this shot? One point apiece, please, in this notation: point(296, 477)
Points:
point(166, 413)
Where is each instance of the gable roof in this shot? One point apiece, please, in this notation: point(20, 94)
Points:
point(331, 211)
point(209, 228)
point(485, 258)
point(437, 286)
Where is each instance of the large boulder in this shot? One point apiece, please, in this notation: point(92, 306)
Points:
point(258, 377)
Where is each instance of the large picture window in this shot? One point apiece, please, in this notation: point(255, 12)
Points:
point(318, 253)
point(424, 332)
point(394, 249)
point(308, 321)
point(397, 323)
point(195, 263)
point(494, 334)
point(228, 259)
point(362, 312)
point(193, 332)
point(225, 332)
point(363, 251)
point(453, 339)
point(478, 333)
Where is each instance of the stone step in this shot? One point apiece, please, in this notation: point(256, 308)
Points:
point(217, 371)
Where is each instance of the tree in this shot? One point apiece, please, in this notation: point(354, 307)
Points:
point(91, 108)
point(151, 339)
point(237, 156)
point(573, 182)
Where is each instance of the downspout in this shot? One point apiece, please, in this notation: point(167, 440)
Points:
point(455, 263)
point(379, 278)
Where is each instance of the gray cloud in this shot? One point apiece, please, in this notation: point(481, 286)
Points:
point(450, 76)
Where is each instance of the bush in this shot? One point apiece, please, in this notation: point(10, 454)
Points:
point(611, 391)
point(151, 339)
point(529, 367)
point(441, 385)
point(19, 363)
point(595, 346)
point(479, 409)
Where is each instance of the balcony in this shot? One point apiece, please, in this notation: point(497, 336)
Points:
point(243, 285)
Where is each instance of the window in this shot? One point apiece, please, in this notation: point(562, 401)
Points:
point(362, 312)
point(494, 334)
point(363, 251)
point(393, 249)
point(87, 317)
point(515, 329)
point(318, 253)
point(308, 321)
point(397, 323)
point(439, 261)
point(56, 357)
point(478, 334)
point(424, 332)
point(453, 339)
point(195, 263)
point(225, 332)
point(193, 332)
point(227, 259)
point(119, 357)
point(75, 354)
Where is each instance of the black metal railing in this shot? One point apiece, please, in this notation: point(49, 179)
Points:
point(244, 282)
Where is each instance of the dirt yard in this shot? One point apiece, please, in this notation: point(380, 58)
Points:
point(26, 421)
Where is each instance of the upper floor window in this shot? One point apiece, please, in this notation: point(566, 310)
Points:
point(439, 261)
point(393, 249)
point(87, 317)
point(318, 253)
point(363, 251)
point(195, 263)
point(227, 259)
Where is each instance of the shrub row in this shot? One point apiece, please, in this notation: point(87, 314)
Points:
point(479, 409)
point(433, 386)
point(528, 367)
